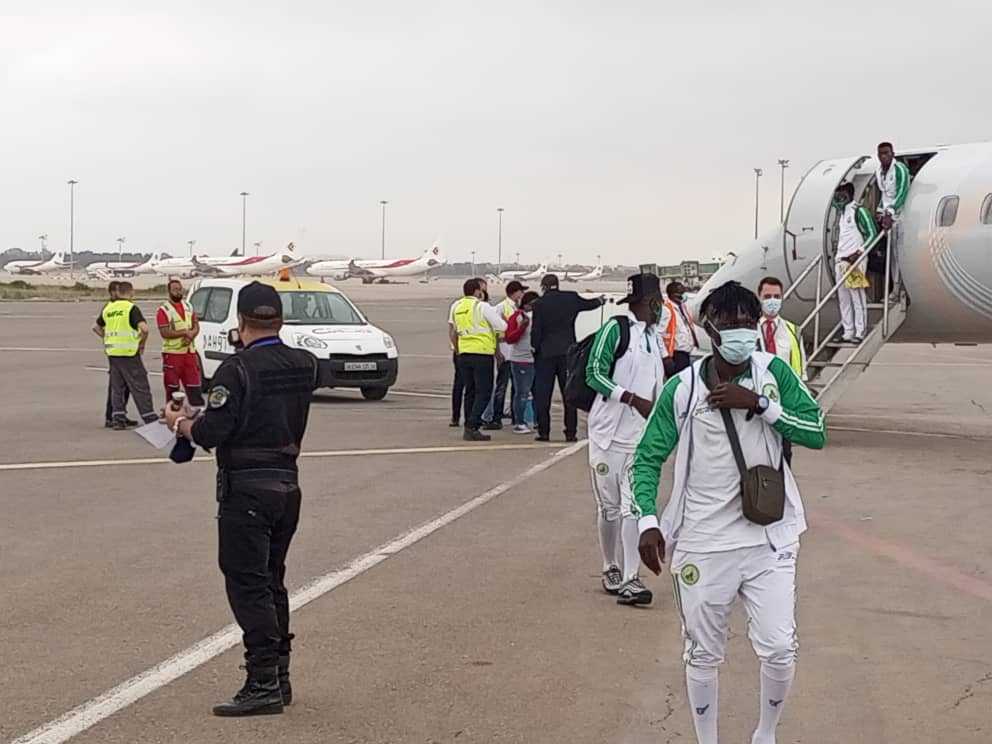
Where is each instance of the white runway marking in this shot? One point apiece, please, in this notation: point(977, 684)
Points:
point(906, 433)
point(93, 711)
point(95, 349)
point(58, 465)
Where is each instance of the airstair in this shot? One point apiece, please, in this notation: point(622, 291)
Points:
point(833, 364)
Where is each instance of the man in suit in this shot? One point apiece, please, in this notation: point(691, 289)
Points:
point(552, 333)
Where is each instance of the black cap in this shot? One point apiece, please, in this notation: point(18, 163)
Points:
point(515, 286)
point(549, 280)
point(259, 301)
point(641, 286)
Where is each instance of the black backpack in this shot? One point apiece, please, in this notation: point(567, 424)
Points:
point(577, 390)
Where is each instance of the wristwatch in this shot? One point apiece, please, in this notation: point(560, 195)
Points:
point(762, 404)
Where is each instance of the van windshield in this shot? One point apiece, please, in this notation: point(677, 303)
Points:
point(318, 308)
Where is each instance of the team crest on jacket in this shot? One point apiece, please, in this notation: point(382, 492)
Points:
point(602, 469)
point(218, 396)
point(770, 391)
point(689, 574)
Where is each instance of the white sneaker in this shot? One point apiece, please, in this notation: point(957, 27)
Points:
point(521, 429)
point(612, 580)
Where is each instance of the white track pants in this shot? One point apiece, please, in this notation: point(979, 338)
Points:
point(617, 511)
point(853, 306)
point(708, 584)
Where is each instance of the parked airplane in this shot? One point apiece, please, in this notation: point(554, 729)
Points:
point(113, 269)
point(524, 275)
point(233, 265)
point(589, 276)
point(378, 270)
point(52, 265)
point(942, 258)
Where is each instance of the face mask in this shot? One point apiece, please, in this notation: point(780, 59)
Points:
point(772, 306)
point(738, 344)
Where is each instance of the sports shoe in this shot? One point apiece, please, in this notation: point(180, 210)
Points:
point(521, 429)
point(612, 580)
point(492, 425)
point(634, 593)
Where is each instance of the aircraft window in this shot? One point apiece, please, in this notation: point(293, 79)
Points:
point(199, 301)
point(947, 211)
point(987, 210)
point(217, 305)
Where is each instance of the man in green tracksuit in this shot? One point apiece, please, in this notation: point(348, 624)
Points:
point(716, 553)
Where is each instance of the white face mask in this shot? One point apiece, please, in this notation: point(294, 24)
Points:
point(771, 306)
point(737, 344)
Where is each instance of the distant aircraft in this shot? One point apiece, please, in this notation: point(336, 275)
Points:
point(52, 265)
point(233, 265)
point(112, 269)
point(379, 270)
point(538, 273)
point(589, 276)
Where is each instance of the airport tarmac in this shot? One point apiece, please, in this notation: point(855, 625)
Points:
point(450, 591)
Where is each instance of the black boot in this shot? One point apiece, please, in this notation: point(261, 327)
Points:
point(260, 696)
point(284, 685)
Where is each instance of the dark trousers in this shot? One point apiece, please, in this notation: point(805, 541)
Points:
point(497, 406)
point(256, 523)
point(477, 373)
point(546, 372)
point(457, 390)
point(109, 415)
point(128, 374)
point(677, 362)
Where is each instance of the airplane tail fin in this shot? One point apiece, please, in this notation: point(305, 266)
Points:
point(291, 247)
point(235, 253)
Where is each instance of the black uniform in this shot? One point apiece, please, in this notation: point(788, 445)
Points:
point(257, 408)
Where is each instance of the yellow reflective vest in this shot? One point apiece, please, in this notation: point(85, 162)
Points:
point(475, 334)
point(177, 323)
point(795, 350)
point(119, 338)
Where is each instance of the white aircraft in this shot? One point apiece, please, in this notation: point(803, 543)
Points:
point(378, 270)
point(233, 265)
point(111, 269)
point(589, 276)
point(942, 257)
point(52, 265)
point(524, 275)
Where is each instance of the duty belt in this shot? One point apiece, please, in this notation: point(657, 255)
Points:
point(228, 479)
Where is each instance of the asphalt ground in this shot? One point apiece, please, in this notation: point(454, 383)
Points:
point(487, 625)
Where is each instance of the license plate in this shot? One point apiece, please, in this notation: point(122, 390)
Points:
point(360, 367)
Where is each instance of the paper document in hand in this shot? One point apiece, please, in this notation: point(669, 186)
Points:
point(156, 434)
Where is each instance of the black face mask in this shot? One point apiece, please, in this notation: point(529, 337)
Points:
point(234, 339)
point(485, 296)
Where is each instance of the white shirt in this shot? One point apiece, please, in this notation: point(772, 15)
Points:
point(849, 239)
point(783, 341)
point(683, 331)
point(614, 425)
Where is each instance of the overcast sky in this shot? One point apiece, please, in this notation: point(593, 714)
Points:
point(626, 129)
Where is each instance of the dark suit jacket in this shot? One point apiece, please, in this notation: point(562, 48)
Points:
point(553, 327)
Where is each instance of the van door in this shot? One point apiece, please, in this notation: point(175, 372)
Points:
point(212, 344)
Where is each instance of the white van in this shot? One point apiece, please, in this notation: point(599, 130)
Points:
point(317, 317)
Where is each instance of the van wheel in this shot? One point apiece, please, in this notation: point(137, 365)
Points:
point(374, 393)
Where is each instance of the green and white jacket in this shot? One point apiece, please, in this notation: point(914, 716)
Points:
point(792, 413)
point(894, 186)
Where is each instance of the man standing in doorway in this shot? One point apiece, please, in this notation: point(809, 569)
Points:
point(892, 179)
point(552, 334)
point(492, 419)
point(628, 381)
point(855, 230)
point(678, 333)
point(476, 324)
point(179, 326)
point(124, 332)
point(718, 555)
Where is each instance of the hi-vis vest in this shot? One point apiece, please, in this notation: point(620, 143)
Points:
point(668, 335)
point(119, 338)
point(178, 323)
point(795, 354)
point(475, 334)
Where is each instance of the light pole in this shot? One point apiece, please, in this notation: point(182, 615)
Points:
point(191, 243)
point(781, 208)
point(244, 212)
point(44, 243)
point(120, 249)
point(72, 224)
point(499, 241)
point(757, 177)
point(518, 259)
point(599, 260)
point(383, 203)
point(473, 263)
point(258, 246)
point(559, 262)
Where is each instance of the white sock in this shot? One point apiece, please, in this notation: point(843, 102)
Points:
point(630, 536)
point(609, 536)
point(776, 680)
point(703, 687)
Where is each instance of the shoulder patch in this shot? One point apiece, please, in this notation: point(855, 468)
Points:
point(770, 391)
point(217, 397)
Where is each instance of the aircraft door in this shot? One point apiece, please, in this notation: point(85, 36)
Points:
point(807, 231)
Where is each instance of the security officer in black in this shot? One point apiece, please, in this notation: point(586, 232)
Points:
point(256, 415)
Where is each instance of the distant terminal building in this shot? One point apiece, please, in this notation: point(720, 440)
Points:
point(692, 273)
